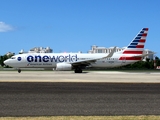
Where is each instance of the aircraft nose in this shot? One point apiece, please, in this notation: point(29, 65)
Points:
point(6, 62)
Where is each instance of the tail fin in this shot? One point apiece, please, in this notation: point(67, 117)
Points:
point(137, 44)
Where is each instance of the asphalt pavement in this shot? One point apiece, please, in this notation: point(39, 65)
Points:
point(78, 98)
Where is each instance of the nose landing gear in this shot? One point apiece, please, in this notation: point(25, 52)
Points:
point(19, 70)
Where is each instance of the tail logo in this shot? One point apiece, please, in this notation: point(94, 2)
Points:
point(137, 44)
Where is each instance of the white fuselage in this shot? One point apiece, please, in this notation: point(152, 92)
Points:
point(50, 60)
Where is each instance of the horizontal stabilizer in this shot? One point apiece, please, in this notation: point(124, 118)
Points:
point(143, 55)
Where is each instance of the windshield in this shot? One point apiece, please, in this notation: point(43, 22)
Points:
point(13, 57)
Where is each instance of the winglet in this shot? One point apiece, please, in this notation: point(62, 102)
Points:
point(111, 53)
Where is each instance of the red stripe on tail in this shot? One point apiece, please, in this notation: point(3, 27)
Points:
point(144, 34)
point(130, 58)
point(142, 40)
point(132, 52)
point(140, 46)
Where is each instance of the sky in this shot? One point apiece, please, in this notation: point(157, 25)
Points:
point(76, 25)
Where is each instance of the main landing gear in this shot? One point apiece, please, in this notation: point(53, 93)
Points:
point(19, 70)
point(78, 70)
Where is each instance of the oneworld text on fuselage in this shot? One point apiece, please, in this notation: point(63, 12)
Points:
point(54, 58)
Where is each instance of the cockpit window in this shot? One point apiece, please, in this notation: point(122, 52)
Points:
point(13, 57)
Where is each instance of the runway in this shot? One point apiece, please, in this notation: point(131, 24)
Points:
point(70, 76)
point(54, 93)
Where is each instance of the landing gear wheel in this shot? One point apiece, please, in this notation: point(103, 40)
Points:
point(75, 71)
point(19, 70)
point(78, 70)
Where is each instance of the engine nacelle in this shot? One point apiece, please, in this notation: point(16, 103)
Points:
point(63, 66)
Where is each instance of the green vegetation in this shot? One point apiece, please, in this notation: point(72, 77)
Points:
point(3, 58)
point(148, 64)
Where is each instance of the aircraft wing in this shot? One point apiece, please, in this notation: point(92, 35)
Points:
point(89, 61)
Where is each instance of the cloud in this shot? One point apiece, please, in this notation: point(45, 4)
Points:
point(5, 27)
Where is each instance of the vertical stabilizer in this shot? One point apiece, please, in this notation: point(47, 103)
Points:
point(137, 44)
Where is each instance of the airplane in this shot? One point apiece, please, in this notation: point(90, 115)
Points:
point(78, 61)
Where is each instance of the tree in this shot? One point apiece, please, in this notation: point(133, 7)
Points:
point(157, 61)
point(148, 64)
point(3, 58)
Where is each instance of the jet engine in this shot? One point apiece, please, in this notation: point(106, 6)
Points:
point(63, 66)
